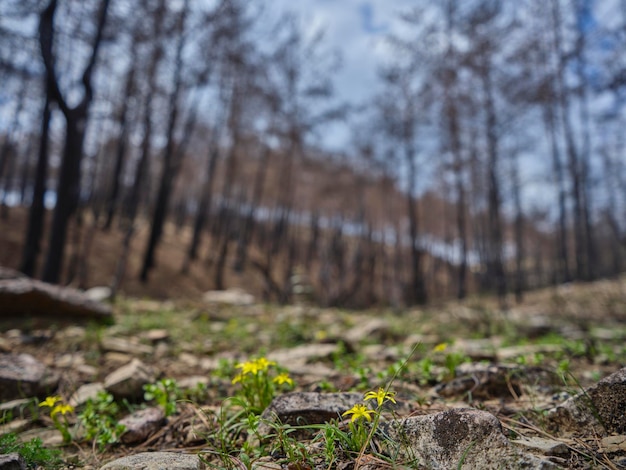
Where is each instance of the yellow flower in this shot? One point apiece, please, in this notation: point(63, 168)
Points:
point(441, 347)
point(263, 364)
point(62, 408)
point(254, 367)
point(359, 411)
point(381, 396)
point(283, 378)
point(50, 401)
point(238, 378)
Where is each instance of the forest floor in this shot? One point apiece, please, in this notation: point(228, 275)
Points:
point(551, 346)
point(554, 344)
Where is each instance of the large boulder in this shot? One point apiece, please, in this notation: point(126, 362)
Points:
point(457, 438)
point(28, 301)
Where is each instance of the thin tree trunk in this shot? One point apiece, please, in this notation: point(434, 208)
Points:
point(257, 195)
point(122, 141)
point(205, 203)
point(7, 153)
point(562, 258)
point(495, 265)
point(68, 187)
point(36, 214)
point(171, 160)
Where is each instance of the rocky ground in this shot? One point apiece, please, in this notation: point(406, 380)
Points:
point(541, 385)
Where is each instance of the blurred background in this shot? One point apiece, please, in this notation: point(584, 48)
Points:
point(353, 153)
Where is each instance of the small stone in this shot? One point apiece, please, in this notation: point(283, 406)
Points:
point(142, 424)
point(156, 461)
point(12, 461)
point(21, 408)
point(598, 409)
point(99, 293)
point(16, 426)
point(190, 383)
point(300, 408)
point(612, 444)
point(156, 335)
point(86, 392)
point(543, 446)
point(67, 361)
point(117, 358)
point(303, 354)
point(128, 380)
point(235, 297)
point(126, 346)
point(21, 375)
point(374, 328)
point(50, 437)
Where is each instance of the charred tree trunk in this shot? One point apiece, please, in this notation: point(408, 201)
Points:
point(417, 289)
point(36, 214)
point(205, 203)
point(171, 160)
point(495, 263)
point(246, 232)
point(573, 165)
point(122, 141)
point(7, 153)
point(68, 188)
point(562, 262)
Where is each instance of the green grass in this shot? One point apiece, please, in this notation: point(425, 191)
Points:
point(33, 452)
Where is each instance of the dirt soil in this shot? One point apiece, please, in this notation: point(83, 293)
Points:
point(556, 343)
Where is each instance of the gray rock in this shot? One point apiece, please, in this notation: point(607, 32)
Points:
point(156, 461)
point(86, 392)
point(542, 446)
point(303, 354)
point(99, 293)
point(50, 437)
point(21, 375)
point(126, 346)
point(372, 329)
point(613, 444)
point(598, 409)
point(20, 408)
point(236, 297)
point(310, 407)
point(457, 438)
point(301, 408)
point(128, 380)
point(16, 426)
point(156, 335)
point(483, 381)
point(12, 461)
point(142, 424)
point(38, 303)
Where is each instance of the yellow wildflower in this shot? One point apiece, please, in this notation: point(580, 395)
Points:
point(238, 378)
point(359, 411)
point(283, 378)
point(263, 364)
point(254, 367)
point(381, 396)
point(441, 347)
point(62, 408)
point(50, 401)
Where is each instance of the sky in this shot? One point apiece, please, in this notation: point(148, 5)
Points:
point(357, 30)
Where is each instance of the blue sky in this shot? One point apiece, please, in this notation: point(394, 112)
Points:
point(357, 30)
